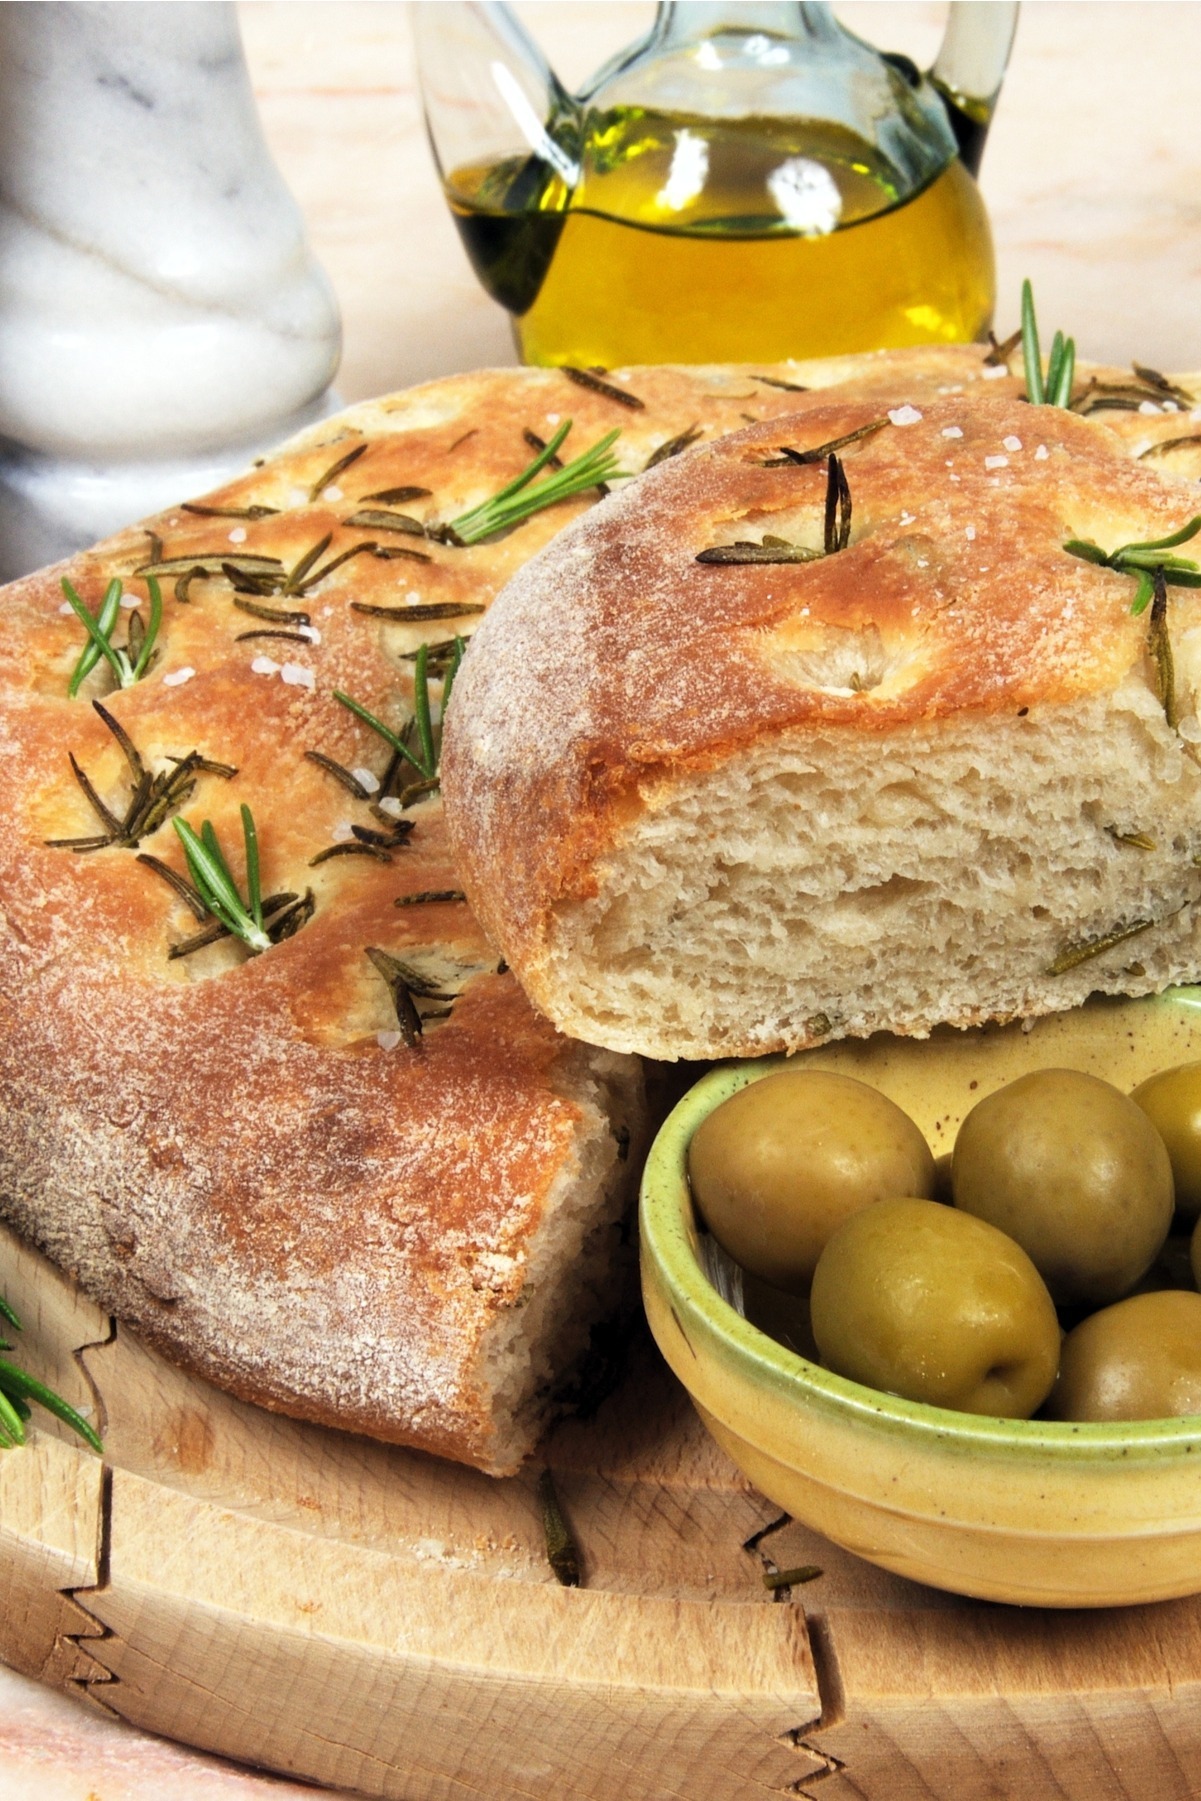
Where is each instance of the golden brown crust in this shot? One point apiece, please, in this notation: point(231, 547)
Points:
point(616, 664)
point(220, 1147)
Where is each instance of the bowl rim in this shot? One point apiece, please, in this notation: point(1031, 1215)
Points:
point(668, 1225)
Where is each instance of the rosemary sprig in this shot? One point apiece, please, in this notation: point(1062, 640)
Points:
point(1142, 560)
point(151, 799)
point(215, 885)
point(836, 525)
point(129, 662)
point(1055, 389)
point(18, 1389)
point(423, 756)
point(518, 500)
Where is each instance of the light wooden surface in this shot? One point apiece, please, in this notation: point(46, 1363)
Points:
point(383, 1623)
point(1091, 173)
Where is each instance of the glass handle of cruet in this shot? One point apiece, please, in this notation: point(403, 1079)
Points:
point(970, 67)
point(488, 91)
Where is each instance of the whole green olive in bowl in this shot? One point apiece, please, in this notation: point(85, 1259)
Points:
point(919, 1300)
point(1137, 1360)
point(1172, 1102)
point(779, 1166)
point(1069, 1167)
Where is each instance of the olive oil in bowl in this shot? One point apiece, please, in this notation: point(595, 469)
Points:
point(689, 239)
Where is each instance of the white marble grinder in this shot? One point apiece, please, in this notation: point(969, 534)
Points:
point(162, 320)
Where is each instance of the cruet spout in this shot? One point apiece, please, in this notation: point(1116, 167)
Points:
point(491, 97)
point(970, 67)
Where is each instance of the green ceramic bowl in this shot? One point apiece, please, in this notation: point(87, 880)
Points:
point(1031, 1511)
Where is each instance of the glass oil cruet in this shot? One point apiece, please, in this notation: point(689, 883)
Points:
point(749, 182)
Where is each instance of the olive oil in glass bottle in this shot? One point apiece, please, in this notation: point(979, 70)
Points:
point(751, 183)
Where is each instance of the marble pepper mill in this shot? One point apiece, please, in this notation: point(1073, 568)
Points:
point(161, 318)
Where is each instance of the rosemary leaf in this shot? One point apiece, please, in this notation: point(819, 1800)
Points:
point(296, 575)
point(182, 887)
point(804, 1572)
point(396, 497)
point(1159, 644)
point(254, 511)
point(430, 896)
point(561, 1552)
point(350, 847)
point(1138, 840)
point(277, 615)
point(586, 378)
point(374, 519)
point(774, 552)
point(820, 452)
point(319, 575)
point(385, 732)
point(1073, 955)
point(1031, 354)
point(348, 780)
point(1166, 444)
point(434, 609)
point(774, 381)
point(334, 471)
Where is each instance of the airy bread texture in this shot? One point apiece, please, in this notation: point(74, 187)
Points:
point(238, 1154)
point(942, 775)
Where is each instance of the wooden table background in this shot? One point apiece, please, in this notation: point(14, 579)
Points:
point(1093, 181)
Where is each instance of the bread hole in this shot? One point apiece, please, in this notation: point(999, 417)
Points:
point(897, 890)
point(837, 660)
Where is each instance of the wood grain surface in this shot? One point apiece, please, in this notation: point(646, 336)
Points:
point(382, 1622)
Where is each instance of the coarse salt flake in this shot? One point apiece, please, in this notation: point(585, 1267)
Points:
point(1149, 407)
point(238, 535)
point(264, 666)
point(66, 609)
point(905, 415)
point(298, 497)
point(130, 601)
point(1041, 454)
point(969, 531)
point(908, 518)
point(178, 677)
point(391, 806)
point(298, 675)
point(997, 462)
point(994, 371)
point(335, 493)
point(952, 431)
point(387, 1041)
point(342, 832)
point(1012, 443)
point(365, 778)
point(310, 632)
point(552, 418)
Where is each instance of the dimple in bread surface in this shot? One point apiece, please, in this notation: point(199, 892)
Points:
point(624, 701)
point(221, 1148)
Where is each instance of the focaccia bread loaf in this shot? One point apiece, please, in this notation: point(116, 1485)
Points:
point(943, 774)
point(239, 1154)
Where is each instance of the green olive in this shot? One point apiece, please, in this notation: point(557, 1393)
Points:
point(1076, 1173)
point(1172, 1102)
point(778, 1167)
point(929, 1303)
point(1137, 1360)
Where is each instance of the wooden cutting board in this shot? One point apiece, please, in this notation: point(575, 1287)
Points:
point(375, 1620)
